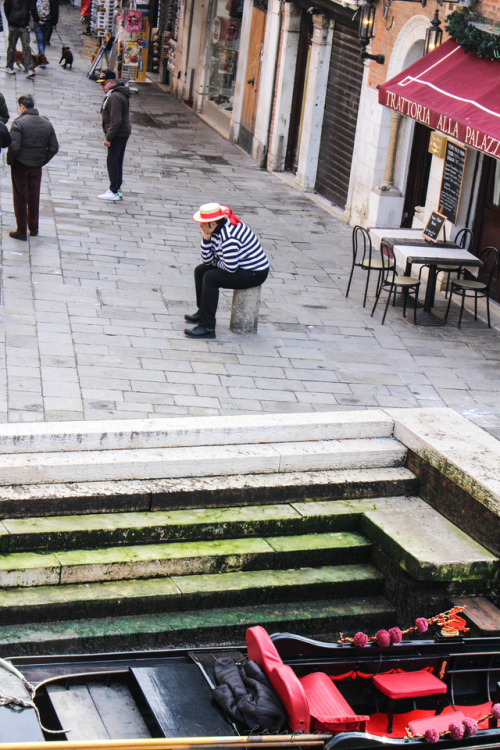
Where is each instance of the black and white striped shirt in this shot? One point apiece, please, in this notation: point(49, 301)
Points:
point(232, 247)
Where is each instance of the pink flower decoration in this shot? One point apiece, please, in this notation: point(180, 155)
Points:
point(470, 726)
point(431, 735)
point(395, 635)
point(360, 640)
point(421, 624)
point(383, 638)
point(495, 710)
point(456, 730)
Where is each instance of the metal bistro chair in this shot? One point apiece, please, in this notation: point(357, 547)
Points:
point(465, 239)
point(362, 251)
point(390, 282)
point(474, 288)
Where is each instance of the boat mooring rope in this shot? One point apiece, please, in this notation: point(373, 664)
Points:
point(19, 704)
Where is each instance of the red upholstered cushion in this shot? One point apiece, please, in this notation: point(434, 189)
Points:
point(262, 650)
point(329, 709)
point(291, 693)
point(441, 722)
point(409, 684)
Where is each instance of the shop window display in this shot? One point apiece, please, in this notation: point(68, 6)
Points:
point(224, 45)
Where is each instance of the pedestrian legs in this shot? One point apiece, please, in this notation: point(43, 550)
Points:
point(25, 42)
point(26, 194)
point(116, 154)
point(42, 34)
point(209, 279)
point(15, 33)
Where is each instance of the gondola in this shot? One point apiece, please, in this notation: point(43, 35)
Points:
point(360, 692)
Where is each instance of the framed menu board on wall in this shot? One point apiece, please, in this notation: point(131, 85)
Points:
point(452, 180)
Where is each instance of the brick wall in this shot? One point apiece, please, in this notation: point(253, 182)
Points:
point(387, 29)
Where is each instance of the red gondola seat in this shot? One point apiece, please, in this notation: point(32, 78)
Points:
point(408, 685)
point(313, 702)
point(441, 723)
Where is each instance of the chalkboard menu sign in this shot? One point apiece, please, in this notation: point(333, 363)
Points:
point(453, 177)
point(434, 226)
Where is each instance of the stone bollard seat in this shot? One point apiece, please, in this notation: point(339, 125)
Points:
point(245, 310)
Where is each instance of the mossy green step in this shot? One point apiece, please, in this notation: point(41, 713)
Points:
point(320, 618)
point(180, 558)
point(111, 529)
point(131, 597)
point(428, 546)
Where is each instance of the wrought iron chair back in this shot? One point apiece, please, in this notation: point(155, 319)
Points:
point(471, 287)
point(363, 257)
point(465, 238)
point(391, 282)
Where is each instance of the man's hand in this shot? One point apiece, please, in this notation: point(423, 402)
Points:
point(207, 229)
point(107, 143)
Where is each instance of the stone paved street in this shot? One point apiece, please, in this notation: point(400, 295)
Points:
point(92, 308)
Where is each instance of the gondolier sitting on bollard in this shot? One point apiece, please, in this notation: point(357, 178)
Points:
point(232, 259)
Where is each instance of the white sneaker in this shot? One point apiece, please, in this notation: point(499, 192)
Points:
point(10, 71)
point(30, 74)
point(109, 196)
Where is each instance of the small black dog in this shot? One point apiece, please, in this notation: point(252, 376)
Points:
point(67, 57)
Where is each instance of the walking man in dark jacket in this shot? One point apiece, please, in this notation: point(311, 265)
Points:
point(33, 145)
point(17, 13)
point(116, 127)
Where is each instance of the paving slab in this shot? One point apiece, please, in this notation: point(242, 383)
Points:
point(100, 294)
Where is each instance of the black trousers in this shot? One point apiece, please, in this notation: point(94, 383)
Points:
point(209, 279)
point(114, 163)
point(26, 194)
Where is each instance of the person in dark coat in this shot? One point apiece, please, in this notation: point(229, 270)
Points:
point(45, 15)
point(5, 138)
point(33, 145)
point(17, 13)
point(4, 111)
point(117, 129)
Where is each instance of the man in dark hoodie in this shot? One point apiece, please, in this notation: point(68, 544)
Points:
point(33, 145)
point(17, 13)
point(116, 127)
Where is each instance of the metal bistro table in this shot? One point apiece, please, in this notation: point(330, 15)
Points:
point(414, 250)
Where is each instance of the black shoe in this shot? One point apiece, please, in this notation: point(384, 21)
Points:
point(194, 318)
point(18, 236)
point(200, 332)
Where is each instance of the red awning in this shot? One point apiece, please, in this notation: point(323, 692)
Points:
point(451, 91)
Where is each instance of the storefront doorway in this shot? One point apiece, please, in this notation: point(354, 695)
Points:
point(487, 224)
point(222, 53)
point(300, 82)
point(418, 173)
point(340, 115)
point(252, 78)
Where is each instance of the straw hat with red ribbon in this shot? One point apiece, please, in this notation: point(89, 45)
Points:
point(213, 212)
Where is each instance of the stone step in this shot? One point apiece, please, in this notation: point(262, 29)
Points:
point(56, 499)
point(324, 619)
point(429, 548)
point(211, 460)
point(181, 593)
point(174, 432)
point(181, 559)
point(112, 529)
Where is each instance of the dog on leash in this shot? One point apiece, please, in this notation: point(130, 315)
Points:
point(67, 58)
point(38, 60)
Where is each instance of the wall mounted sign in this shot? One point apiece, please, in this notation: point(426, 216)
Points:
point(452, 180)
